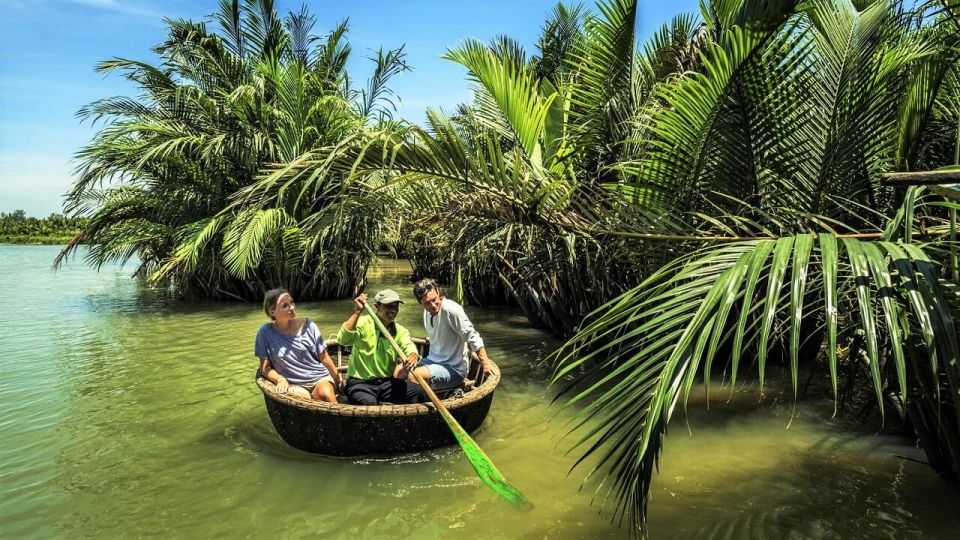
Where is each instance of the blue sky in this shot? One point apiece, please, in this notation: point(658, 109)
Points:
point(48, 50)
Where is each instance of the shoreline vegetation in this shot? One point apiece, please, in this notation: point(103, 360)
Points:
point(18, 228)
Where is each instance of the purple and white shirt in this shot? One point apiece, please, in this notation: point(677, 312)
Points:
point(297, 357)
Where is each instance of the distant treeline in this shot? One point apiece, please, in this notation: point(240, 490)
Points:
point(17, 228)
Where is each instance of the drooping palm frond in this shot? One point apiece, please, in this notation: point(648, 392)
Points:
point(651, 343)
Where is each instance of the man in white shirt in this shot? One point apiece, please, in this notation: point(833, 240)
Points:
point(452, 337)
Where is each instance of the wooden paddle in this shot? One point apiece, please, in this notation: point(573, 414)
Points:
point(481, 463)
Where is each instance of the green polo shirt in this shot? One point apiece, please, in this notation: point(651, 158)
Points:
point(372, 356)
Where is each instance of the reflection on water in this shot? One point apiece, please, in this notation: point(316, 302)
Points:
point(125, 415)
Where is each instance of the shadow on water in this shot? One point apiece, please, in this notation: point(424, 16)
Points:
point(744, 474)
point(816, 494)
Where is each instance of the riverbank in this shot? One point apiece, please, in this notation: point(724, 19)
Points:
point(28, 240)
point(18, 228)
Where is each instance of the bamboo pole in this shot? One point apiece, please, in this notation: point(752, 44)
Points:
point(694, 238)
point(921, 178)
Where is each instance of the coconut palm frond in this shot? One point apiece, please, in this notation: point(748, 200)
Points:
point(189, 254)
point(249, 235)
point(332, 56)
point(230, 21)
point(699, 300)
point(513, 88)
point(930, 75)
point(377, 99)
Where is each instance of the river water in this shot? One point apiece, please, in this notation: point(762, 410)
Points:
point(126, 415)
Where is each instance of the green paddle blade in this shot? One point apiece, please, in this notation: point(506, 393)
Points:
point(485, 468)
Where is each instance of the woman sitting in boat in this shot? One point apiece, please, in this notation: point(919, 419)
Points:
point(292, 352)
point(374, 375)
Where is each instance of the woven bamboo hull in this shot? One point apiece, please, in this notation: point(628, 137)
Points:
point(336, 429)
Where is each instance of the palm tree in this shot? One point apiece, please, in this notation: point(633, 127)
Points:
point(160, 181)
point(565, 118)
point(501, 182)
point(507, 175)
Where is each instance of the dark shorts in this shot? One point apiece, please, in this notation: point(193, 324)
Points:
point(383, 390)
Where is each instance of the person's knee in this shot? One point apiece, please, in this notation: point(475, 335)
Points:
point(325, 392)
point(423, 372)
point(417, 394)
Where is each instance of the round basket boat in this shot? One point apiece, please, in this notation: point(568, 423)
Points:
point(342, 429)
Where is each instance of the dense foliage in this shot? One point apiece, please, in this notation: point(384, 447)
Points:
point(17, 228)
point(722, 185)
point(166, 177)
point(712, 197)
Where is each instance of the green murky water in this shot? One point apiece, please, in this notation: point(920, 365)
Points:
point(123, 415)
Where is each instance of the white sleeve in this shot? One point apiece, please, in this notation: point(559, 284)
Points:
point(466, 330)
